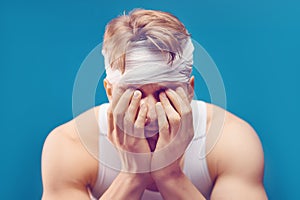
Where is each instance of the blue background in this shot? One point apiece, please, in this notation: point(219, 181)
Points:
point(255, 45)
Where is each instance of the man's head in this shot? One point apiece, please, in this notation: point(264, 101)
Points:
point(161, 30)
point(148, 50)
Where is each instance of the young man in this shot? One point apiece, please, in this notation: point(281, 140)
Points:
point(165, 145)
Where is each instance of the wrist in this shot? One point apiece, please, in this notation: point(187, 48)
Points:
point(169, 180)
point(167, 175)
point(137, 179)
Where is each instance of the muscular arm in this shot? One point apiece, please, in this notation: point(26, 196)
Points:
point(67, 168)
point(178, 187)
point(240, 163)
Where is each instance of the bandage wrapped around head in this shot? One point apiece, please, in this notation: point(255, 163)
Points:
point(146, 63)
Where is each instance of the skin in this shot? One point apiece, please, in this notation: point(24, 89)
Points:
point(68, 169)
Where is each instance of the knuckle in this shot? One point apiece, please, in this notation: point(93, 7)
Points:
point(142, 115)
point(130, 109)
point(138, 125)
point(115, 112)
point(176, 128)
point(113, 140)
point(128, 129)
point(118, 114)
point(186, 112)
point(175, 119)
point(109, 114)
point(128, 119)
point(165, 127)
point(189, 109)
point(169, 108)
point(110, 138)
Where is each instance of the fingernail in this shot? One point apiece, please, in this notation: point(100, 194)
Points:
point(163, 94)
point(168, 90)
point(180, 89)
point(136, 94)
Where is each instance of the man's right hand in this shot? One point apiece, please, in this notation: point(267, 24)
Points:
point(126, 120)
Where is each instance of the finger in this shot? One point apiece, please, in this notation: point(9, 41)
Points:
point(124, 101)
point(176, 100)
point(131, 113)
point(180, 91)
point(140, 122)
point(112, 133)
point(162, 121)
point(172, 114)
point(110, 122)
point(119, 112)
point(133, 106)
point(117, 93)
point(169, 109)
point(121, 107)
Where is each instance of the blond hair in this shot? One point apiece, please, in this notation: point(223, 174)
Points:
point(160, 29)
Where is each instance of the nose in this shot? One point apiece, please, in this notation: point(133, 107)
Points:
point(151, 117)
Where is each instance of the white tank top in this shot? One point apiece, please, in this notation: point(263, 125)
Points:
point(194, 167)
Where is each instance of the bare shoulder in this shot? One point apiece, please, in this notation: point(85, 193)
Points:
point(236, 148)
point(66, 162)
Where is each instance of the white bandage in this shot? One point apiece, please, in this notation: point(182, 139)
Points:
point(143, 65)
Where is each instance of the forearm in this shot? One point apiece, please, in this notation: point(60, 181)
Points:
point(126, 186)
point(178, 187)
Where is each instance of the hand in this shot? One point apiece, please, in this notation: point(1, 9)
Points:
point(175, 133)
point(126, 130)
